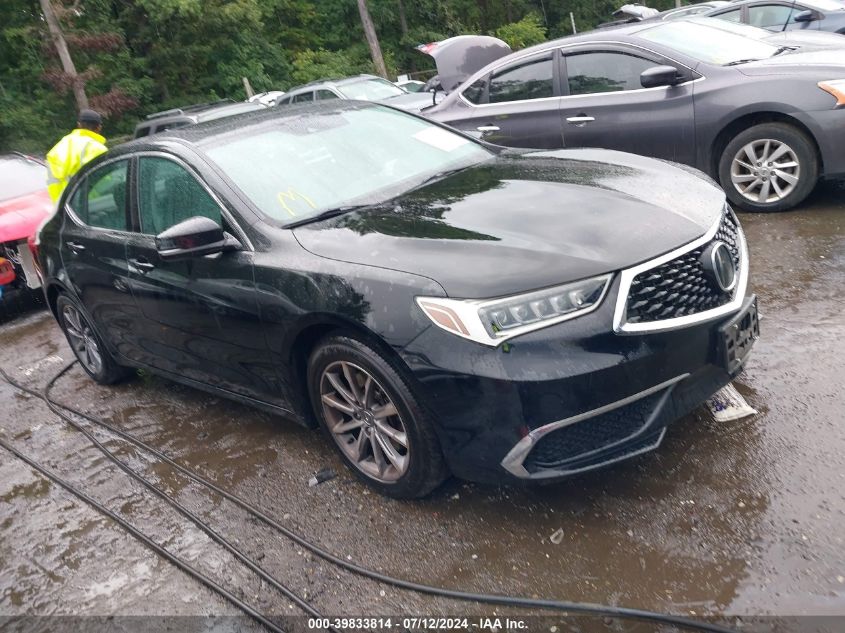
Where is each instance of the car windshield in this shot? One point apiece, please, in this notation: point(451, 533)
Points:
point(707, 43)
point(298, 167)
point(374, 89)
point(20, 176)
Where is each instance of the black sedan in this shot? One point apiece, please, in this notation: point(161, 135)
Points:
point(435, 304)
point(763, 114)
point(786, 15)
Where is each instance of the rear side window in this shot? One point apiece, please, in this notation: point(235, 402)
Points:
point(529, 80)
point(169, 194)
point(734, 15)
point(101, 200)
point(590, 73)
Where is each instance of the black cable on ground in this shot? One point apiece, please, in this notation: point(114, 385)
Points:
point(502, 600)
point(205, 527)
point(181, 564)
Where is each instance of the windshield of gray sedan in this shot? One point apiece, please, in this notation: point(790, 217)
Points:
point(301, 166)
point(708, 44)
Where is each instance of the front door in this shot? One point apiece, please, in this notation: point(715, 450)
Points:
point(93, 250)
point(608, 107)
point(516, 106)
point(197, 317)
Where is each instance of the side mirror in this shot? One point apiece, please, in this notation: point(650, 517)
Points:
point(194, 237)
point(660, 76)
point(805, 16)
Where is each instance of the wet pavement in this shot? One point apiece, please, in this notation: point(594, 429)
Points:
point(744, 517)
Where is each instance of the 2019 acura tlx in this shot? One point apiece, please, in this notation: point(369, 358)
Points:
point(436, 304)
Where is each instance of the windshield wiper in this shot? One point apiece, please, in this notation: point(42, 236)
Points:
point(737, 62)
point(325, 215)
point(439, 176)
point(784, 49)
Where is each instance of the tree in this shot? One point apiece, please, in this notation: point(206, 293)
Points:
point(372, 38)
point(76, 82)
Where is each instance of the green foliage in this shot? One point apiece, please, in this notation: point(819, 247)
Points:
point(527, 32)
point(309, 65)
point(139, 56)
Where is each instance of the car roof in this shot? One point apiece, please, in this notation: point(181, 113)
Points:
point(205, 132)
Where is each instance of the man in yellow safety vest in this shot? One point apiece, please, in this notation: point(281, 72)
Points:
point(74, 150)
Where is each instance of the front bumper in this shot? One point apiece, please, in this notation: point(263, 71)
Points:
point(566, 399)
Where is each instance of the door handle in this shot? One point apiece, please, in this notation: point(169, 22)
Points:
point(580, 120)
point(75, 247)
point(142, 265)
point(488, 128)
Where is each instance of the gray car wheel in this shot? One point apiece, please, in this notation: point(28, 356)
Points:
point(769, 167)
point(87, 346)
point(382, 432)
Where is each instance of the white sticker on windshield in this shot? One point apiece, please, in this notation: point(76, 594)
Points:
point(441, 139)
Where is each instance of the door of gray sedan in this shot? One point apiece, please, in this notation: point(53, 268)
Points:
point(605, 105)
point(516, 105)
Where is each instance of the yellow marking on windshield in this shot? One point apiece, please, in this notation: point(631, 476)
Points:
point(293, 195)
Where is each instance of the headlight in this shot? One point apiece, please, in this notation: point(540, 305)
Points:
point(492, 321)
point(836, 87)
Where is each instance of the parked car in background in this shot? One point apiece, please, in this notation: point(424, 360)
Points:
point(361, 87)
point(764, 118)
point(690, 10)
point(436, 304)
point(189, 115)
point(24, 205)
point(410, 85)
point(266, 98)
point(786, 15)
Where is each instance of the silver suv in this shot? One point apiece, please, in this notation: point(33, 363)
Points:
point(362, 88)
point(180, 117)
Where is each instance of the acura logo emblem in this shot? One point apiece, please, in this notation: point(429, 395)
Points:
point(718, 263)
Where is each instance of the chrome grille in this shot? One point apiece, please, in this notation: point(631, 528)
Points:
point(680, 287)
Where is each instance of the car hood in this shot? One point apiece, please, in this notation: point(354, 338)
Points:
point(19, 217)
point(527, 220)
point(808, 58)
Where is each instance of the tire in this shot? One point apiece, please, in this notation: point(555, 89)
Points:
point(87, 344)
point(366, 422)
point(769, 189)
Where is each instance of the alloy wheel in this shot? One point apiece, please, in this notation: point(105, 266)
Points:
point(364, 421)
point(765, 171)
point(82, 339)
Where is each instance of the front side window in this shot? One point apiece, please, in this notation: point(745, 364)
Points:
point(169, 194)
point(529, 80)
point(589, 73)
point(325, 95)
point(475, 92)
point(101, 200)
point(293, 169)
point(304, 97)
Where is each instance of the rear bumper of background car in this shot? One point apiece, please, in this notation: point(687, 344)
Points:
point(566, 399)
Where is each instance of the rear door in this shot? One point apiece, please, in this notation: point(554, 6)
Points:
point(92, 244)
point(196, 318)
point(606, 105)
point(517, 105)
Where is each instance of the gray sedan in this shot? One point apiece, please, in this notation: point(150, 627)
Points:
point(786, 15)
point(763, 115)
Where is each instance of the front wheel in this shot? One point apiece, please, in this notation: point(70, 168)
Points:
point(379, 428)
point(86, 344)
point(769, 167)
